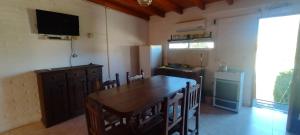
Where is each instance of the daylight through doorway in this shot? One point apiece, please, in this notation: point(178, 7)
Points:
point(276, 48)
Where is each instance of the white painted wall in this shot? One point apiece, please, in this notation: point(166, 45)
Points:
point(22, 52)
point(242, 49)
point(236, 47)
point(125, 32)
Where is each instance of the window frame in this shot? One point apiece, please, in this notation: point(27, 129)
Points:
point(189, 44)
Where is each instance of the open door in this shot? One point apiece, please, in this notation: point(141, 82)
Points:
point(276, 49)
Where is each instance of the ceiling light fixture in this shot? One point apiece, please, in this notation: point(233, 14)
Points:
point(145, 2)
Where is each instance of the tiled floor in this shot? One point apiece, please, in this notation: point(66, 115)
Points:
point(250, 121)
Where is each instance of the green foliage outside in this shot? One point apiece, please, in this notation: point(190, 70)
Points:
point(282, 87)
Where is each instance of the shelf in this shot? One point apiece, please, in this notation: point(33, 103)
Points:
point(191, 40)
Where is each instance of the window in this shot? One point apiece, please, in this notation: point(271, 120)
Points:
point(178, 45)
point(190, 44)
point(202, 45)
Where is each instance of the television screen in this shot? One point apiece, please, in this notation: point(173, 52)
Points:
point(57, 23)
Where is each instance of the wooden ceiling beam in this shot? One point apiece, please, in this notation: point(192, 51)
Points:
point(157, 11)
point(201, 5)
point(176, 4)
point(230, 2)
point(134, 4)
point(167, 5)
point(158, 7)
point(198, 3)
point(122, 8)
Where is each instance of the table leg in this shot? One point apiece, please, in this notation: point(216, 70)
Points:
point(131, 124)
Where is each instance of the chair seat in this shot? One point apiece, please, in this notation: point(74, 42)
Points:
point(153, 124)
point(110, 119)
point(156, 129)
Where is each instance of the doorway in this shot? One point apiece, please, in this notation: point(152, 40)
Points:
point(276, 49)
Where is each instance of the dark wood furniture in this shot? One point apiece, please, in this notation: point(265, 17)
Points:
point(174, 113)
point(94, 118)
point(130, 100)
point(148, 114)
point(112, 83)
point(62, 91)
point(95, 121)
point(192, 107)
point(197, 74)
point(146, 122)
point(110, 119)
point(134, 78)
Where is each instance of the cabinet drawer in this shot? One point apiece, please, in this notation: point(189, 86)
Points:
point(94, 73)
point(76, 75)
point(54, 77)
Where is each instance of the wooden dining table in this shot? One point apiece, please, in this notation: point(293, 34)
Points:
point(129, 100)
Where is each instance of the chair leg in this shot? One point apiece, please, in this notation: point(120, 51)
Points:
point(186, 122)
point(182, 131)
point(197, 121)
point(192, 132)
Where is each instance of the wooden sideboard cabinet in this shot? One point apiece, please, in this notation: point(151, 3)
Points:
point(62, 91)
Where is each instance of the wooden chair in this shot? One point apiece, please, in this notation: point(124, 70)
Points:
point(148, 114)
point(110, 119)
point(131, 79)
point(193, 102)
point(174, 113)
point(146, 123)
point(94, 118)
point(96, 123)
point(111, 83)
point(173, 116)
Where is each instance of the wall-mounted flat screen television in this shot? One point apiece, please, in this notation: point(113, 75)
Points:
point(57, 23)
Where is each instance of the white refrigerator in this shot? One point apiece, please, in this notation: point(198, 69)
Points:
point(150, 57)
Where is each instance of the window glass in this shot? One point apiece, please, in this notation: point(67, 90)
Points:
point(202, 45)
point(178, 45)
point(192, 45)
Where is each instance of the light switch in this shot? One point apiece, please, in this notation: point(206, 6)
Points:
point(299, 116)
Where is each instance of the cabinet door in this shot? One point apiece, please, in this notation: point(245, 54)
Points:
point(227, 90)
point(94, 76)
point(77, 91)
point(56, 98)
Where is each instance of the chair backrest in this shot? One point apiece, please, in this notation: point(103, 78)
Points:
point(111, 83)
point(94, 117)
point(193, 96)
point(149, 119)
point(174, 112)
point(193, 101)
point(131, 79)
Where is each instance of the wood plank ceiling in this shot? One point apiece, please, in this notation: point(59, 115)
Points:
point(158, 7)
